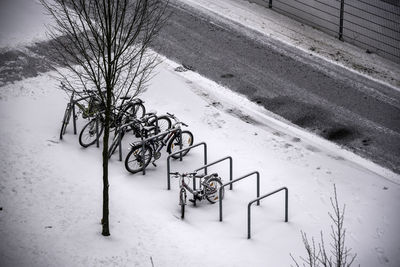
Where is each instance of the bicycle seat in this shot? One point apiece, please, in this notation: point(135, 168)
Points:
point(149, 128)
point(152, 112)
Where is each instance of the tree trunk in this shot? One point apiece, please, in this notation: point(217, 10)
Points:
point(109, 89)
point(105, 220)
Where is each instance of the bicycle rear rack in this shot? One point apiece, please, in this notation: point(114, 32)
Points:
point(181, 151)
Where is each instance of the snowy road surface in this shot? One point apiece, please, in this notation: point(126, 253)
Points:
point(328, 100)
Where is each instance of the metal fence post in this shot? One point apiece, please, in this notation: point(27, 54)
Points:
point(341, 20)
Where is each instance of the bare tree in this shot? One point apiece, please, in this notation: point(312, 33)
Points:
point(340, 255)
point(104, 45)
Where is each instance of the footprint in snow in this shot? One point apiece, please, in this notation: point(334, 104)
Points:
point(379, 233)
point(381, 255)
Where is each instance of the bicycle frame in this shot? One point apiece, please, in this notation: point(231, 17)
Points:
point(155, 143)
point(157, 148)
point(201, 192)
point(136, 125)
point(183, 184)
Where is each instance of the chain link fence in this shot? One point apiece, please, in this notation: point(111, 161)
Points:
point(371, 24)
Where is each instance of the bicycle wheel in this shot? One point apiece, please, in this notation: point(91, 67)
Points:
point(212, 189)
point(164, 123)
point(66, 118)
point(88, 135)
point(115, 143)
point(174, 144)
point(134, 159)
point(135, 110)
point(182, 202)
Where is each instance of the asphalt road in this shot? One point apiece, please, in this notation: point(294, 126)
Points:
point(341, 106)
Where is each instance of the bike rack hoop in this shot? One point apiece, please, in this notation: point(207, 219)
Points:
point(216, 162)
point(262, 197)
point(74, 102)
point(181, 151)
point(234, 181)
point(154, 137)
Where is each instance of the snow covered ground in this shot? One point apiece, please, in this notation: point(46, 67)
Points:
point(50, 190)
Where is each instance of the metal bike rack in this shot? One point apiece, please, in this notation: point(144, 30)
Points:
point(120, 136)
point(97, 132)
point(181, 151)
point(152, 115)
point(213, 163)
point(234, 181)
point(258, 199)
point(74, 116)
point(156, 136)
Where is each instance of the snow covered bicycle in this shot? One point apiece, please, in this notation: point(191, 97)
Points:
point(124, 113)
point(210, 185)
point(142, 128)
point(174, 139)
point(87, 112)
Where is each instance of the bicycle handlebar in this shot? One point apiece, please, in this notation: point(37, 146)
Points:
point(176, 119)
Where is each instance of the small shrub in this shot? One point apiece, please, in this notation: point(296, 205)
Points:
point(338, 255)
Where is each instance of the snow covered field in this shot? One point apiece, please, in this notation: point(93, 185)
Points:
point(50, 190)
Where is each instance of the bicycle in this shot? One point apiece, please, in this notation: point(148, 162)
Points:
point(144, 127)
point(123, 114)
point(209, 189)
point(93, 104)
point(175, 139)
